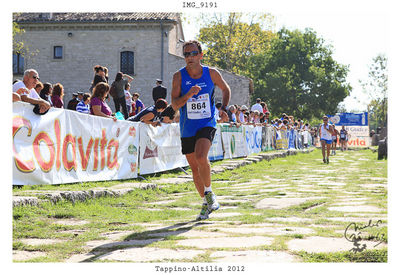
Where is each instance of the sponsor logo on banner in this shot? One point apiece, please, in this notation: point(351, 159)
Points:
point(65, 147)
point(233, 145)
point(148, 153)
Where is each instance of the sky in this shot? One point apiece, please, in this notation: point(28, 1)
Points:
point(357, 37)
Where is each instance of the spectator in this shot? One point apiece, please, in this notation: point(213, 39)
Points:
point(73, 102)
point(257, 106)
point(283, 116)
point(138, 103)
point(168, 115)
point(128, 97)
point(264, 106)
point(231, 113)
point(222, 116)
point(80, 96)
point(151, 114)
point(256, 117)
point(159, 91)
point(99, 76)
point(38, 88)
point(119, 92)
point(105, 69)
point(26, 86)
point(45, 93)
point(98, 105)
point(267, 118)
point(243, 110)
point(83, 105)
point(57, 96)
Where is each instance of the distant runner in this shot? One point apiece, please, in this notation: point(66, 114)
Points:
point(334, 139)
point(343, 138)
point(325, 133)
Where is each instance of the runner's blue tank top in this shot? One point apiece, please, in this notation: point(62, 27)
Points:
point(199, 111)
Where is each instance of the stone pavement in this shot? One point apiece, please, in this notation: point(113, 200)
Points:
point(227, 237)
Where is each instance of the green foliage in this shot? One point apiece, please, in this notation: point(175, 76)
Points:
point(376, 89)
point(229, 42)
point(298, 75)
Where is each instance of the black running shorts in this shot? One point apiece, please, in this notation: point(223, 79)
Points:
point(188, 143)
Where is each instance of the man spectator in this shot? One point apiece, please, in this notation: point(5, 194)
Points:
point(257, 106)
point(27, 86)
point(159, 91)
point(73, 102)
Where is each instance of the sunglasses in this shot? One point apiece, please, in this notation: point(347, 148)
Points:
point(35, 77)
point(193, 53)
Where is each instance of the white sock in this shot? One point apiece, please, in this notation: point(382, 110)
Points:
point(207, 189)
point(204, 200)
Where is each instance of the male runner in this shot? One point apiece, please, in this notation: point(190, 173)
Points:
point(193, 92)
point(325, 133)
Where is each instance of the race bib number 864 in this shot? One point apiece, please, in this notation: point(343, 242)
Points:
point(198, 108)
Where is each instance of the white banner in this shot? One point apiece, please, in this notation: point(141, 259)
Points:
point(233, 141)
point(216, 151)
point(253, 138)
point(160, 148)
point(65, 146)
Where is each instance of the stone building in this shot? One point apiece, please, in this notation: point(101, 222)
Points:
point(64, 48)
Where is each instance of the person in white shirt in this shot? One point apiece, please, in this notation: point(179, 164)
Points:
point(325, 133)
point(243, 109)
point(26, 90)
point(257, 106)
point(128, 97)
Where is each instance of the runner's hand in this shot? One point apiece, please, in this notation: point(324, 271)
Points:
point(195, 90)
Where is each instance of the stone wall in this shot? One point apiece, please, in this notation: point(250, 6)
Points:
point(92, 45)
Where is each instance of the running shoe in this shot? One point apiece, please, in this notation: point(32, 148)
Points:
point(204, 212)
point(324, 160)
point(327, 160)
point(211, 201)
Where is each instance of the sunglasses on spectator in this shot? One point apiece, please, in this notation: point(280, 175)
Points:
point(193, 53)
point(35, 77)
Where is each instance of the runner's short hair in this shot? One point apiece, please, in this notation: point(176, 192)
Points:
point(192, 42)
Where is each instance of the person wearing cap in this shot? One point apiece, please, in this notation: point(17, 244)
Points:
point(80, 97)
point(73, 102)
point(159, 91)
point(257, 106)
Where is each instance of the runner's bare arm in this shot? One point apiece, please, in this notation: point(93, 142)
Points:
point(177, 101)
point(220, 83)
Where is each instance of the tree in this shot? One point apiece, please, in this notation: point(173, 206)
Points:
point(298, 75)
point(229, 42)
point(376, 89)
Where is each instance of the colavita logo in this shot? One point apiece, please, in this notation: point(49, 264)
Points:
point(102, 151)
point(148, 153)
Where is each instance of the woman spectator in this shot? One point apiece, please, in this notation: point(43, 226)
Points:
point(264, 106)
point(99, 76)
point(45, 93)
point(57, 96)
point(119, 92)
point(83, 105)
point(98, 105)
point(232, 113)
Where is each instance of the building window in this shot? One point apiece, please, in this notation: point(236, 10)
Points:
point(58, 52)
point(127, 64)
point(18, 63)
